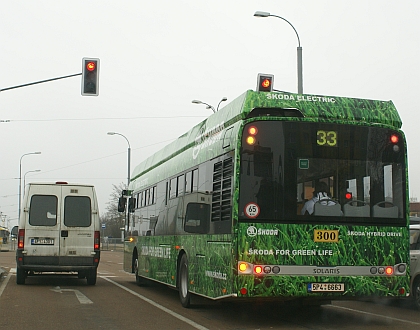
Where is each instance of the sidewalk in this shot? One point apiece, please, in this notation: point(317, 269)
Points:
point(8, 247)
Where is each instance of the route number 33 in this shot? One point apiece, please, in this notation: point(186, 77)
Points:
point(326, 138)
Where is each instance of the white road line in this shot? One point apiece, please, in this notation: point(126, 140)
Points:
point(151, 302)
point(3, 285)
point(372, 314)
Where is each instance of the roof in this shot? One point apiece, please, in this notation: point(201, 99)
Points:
point(311, 107)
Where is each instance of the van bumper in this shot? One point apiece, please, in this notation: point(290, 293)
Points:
point(56, 263)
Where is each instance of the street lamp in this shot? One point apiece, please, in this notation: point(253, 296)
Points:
point(20, 176)
point(208, 105)
point(24, 179)
point(299, 48)
point(128, 170)
point(222, 100)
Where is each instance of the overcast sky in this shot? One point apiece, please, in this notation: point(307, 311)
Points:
point(157, 56)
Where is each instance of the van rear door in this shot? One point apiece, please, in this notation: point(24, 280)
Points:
point(42, 231)
point(78, 226)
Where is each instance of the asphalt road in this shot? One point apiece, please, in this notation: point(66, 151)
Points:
point(116, 302)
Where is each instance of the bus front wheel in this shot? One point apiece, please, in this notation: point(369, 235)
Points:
point(184, 294)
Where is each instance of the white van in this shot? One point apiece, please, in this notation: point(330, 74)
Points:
point(59, 231)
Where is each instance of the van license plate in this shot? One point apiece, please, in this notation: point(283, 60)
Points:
point(326, 287)
point(42, 241)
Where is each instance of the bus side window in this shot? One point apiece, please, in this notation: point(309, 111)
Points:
point(197, 218)
point(188, 182)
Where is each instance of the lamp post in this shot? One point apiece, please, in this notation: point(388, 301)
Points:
point(128, 172)
point(24, 179)
point(299, 48)
point(222, 100)
point(210, 106)
point(20, 177)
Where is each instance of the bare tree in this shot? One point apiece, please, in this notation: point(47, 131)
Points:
point(113, 219)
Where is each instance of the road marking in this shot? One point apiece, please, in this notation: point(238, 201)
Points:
point(12, 270)
point(105, 272)
point(155, 304)
point(372, 314)
point(80, 296)
point(3, 285)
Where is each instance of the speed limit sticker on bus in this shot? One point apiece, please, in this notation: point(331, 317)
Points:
point(252, 210)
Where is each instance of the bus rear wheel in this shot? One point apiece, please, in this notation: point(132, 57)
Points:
point(416, 293)
point(184, 294)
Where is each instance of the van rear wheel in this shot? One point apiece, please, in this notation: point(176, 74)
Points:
point(91, 276)
point(20, 276)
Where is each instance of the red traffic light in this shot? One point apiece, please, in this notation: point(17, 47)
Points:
point(90, 76)
point(90, 66)
point(265, 82)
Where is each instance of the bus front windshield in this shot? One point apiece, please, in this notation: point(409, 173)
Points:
point(321, 172)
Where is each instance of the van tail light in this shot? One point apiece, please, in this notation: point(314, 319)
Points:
point(97, 240)
point(21, 238)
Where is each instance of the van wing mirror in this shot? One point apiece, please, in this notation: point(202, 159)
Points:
point(121, 204)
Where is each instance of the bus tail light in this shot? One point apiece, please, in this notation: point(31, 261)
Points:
point(394, 138)
point(21, 239)
point(97, 240)
point(252, 132)
point(244, 268)
point(258, 270)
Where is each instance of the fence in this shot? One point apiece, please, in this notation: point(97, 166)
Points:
point(112, 244)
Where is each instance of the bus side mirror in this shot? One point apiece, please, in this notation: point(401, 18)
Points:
point(121, 204)
point(131, 204)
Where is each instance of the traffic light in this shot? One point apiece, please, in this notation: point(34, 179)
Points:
point(90, 76)
point(265, 82)
point(121, 204)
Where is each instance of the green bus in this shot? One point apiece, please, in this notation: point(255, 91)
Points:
point(233, 210)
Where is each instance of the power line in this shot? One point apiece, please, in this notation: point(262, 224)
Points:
point(92, 119)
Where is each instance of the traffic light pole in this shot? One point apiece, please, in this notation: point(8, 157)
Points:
point(40, 82)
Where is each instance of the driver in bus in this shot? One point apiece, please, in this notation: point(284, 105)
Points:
point(320, 193)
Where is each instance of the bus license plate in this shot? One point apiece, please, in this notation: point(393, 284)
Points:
point(42, 241)
point(326, 287)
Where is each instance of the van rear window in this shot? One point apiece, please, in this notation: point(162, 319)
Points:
point(43, 210)
point(77, 211)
